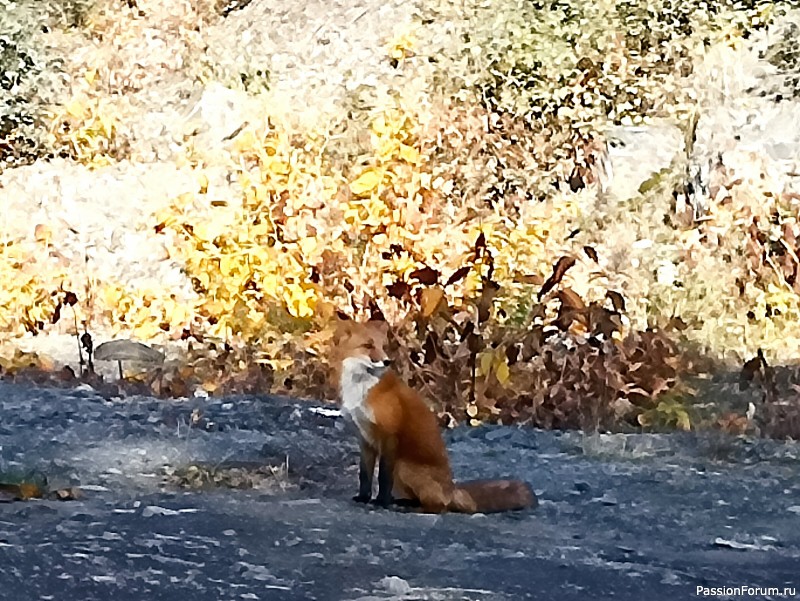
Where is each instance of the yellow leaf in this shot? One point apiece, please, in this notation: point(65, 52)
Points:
point(202, 180)
point(307, 246)
point(106, 123)
point(76, 109)
point(245, 141)
point(269, 284)
point(279, 364)
point(379, 125)
point(503, 373)
point(209, 230)
point(257, 231)
point(229, 265)
point(388, 148)
point(89, 75)
point(204, 279)
point(280, 167)
point(298, 301)
point(485, 364)
point(366, 182)
point(111, 296)
point(222, 329)
point(352, 215)
point(409, 154)
point(683, 421)
point(261, 193)
point(146, 330)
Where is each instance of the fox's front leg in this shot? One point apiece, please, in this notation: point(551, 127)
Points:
point(386, 474)
point(366, 471)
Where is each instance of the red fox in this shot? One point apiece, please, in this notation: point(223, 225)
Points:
point(395, 425)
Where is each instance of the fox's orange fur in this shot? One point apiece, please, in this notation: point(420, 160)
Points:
point(397, 426)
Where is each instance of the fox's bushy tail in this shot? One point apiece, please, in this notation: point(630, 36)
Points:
point(491, 496)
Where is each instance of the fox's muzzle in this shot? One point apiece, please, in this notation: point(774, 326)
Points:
point(378, 367)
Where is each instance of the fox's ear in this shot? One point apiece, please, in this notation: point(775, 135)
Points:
point(380, 325)
point(343, 325)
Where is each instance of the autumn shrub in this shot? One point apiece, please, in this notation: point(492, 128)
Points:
point(28, 297)
point(776, 413)
point(30, 69)
point(548, 78)
point(21, 66)
point(304, 232)
point(474, 222)
point(728, 280)
point(565, 363)
point(555, 75)
point(484, 317)
point(86, 130)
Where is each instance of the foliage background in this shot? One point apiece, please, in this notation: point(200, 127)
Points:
point(464, 193)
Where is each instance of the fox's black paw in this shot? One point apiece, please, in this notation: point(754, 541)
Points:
point(382, 502)
point(361, 499)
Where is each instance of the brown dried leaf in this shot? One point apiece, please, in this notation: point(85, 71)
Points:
point(56, 313)
point(459, 275)
point(571, 300)
point(426, 276)
point(480, 244)
point(20, 492)
point(733, 423)
point(617, 300)
point(399, 289)
point(531, 279)
point(603, 321)
point(430, 349)
point(559, 269)
point(484, 304)
point(677, 323)
point(430, 300)
point(576, 181)
point(532, 343)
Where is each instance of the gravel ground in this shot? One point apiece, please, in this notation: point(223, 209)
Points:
point(622, 517)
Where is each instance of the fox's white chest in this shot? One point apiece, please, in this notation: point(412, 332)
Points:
point(356, 384)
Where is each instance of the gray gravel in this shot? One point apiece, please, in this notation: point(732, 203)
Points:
point(621, 517)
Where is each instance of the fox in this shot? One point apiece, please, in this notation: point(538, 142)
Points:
point(398, 431)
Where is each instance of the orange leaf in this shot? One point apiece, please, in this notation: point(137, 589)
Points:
point(430, 300)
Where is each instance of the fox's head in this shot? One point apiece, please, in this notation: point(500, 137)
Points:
point(359, 350)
